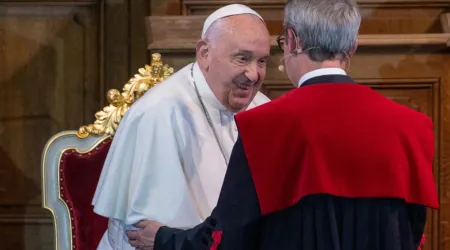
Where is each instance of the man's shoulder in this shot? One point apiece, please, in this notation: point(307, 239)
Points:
point(392, 113)
point(398, 111)
point(412, 118)
point(262, 113)
point(268, 105)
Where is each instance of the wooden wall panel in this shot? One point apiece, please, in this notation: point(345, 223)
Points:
point(380, 16)
point(57, 60)
point(165, 7)
point(139, 9)
point(123, 41)
point(48, 83)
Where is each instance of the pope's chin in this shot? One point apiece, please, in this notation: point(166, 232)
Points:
point(239, 102)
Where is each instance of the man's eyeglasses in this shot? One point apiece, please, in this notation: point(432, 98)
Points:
point(280, 40)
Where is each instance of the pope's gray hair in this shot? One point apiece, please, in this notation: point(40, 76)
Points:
point(327, 29)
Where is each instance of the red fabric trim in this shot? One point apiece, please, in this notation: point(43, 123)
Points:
point(339, 139)
point(217, 238)
point(79, 175)
point(422, 242)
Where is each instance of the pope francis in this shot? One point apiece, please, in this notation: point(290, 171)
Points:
point(169, 156)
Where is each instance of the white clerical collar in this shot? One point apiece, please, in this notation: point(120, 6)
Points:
point(321, 72)
point(205, 91)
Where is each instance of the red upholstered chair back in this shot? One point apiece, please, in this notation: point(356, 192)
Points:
point(72, 170)
point(79, 175)
point(72, 162)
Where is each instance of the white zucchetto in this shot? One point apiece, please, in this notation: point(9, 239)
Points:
point(229, 10)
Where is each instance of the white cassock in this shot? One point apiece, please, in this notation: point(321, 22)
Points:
point(164, 163)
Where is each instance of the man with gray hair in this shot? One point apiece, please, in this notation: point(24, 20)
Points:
point(340, 167)
point(169, 156)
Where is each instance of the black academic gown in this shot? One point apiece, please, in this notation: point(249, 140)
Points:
point(316, 222)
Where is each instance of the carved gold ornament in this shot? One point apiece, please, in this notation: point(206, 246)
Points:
point(109, 118)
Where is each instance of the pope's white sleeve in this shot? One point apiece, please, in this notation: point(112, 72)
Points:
point(145, 178)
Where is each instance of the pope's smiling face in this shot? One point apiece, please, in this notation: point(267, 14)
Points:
point(233, 59)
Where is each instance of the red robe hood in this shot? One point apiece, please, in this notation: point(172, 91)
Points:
point(341, 139)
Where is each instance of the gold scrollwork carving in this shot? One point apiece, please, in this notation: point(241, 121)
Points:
point(108, 119)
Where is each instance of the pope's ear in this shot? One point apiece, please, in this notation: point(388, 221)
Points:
point(202, 50)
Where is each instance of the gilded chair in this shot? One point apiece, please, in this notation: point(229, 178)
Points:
point(72, 162)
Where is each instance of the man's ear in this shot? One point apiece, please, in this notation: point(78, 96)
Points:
point(353, 51)
point(291, 41)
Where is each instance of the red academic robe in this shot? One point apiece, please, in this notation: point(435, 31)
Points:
point(328, 166)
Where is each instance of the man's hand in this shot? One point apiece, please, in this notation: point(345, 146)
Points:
point(144, 239)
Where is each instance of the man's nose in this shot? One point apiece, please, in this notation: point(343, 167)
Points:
point(252, 72)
